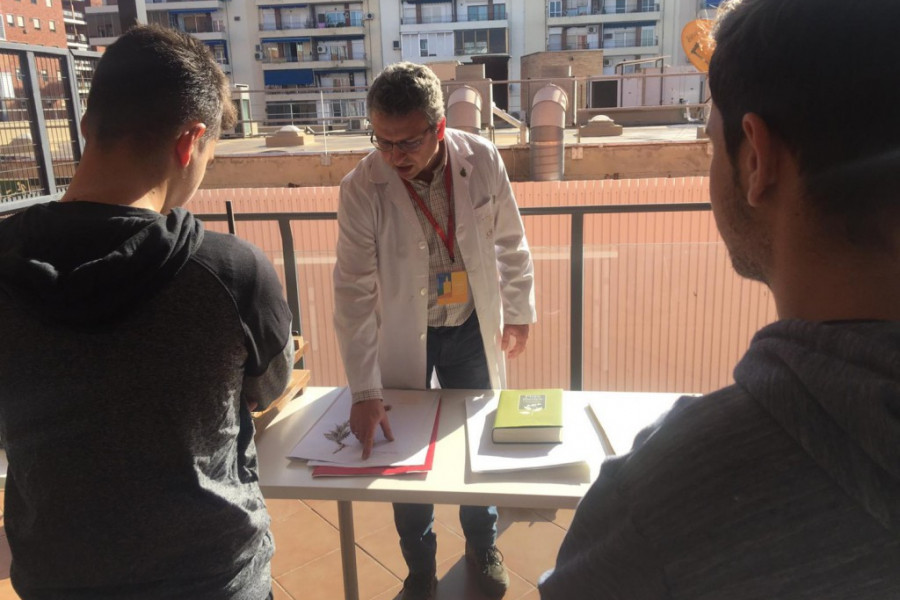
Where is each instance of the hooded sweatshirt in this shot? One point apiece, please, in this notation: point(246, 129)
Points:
point(132, 343)
point(783, 485)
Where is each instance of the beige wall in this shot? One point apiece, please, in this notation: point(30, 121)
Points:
point(582, 162)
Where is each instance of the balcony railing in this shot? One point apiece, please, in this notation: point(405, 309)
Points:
point(335, 56)
point(288, 24)
point(580, 11)
point(557, 46)
point(209, 27)
point(636, 294)
point(306, 23)
point(498, 16)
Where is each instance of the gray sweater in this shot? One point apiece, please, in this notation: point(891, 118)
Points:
point(784, 485)
point(132, 343)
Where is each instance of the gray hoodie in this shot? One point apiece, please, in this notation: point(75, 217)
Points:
point(783, 485)
point(132, 342)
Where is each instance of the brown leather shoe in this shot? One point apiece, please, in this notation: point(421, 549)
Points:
point(489, 572)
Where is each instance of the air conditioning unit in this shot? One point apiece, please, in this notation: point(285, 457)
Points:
point(321, 50)
point(258, 48)
point(606, 62)
point(258, 55)
point(592, 29)
point(369, 16)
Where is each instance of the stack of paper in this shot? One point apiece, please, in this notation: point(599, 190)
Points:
point(579, 441)
point(331, 449)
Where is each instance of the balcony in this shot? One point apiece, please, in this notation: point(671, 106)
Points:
point(583, 15)
point(313, 61)
point(308, 28)
point(498, 16)
point(73, 17)
point(183, 5)
point(660, 310)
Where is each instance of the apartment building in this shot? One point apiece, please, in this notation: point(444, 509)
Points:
point(287, 52)
point(309, 62)
point(35, 22)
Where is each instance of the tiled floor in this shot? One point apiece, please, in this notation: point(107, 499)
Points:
point(307, 562)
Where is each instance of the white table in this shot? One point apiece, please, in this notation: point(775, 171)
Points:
point(450, 481)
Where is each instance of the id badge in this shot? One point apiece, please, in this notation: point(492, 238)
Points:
point(452, 288)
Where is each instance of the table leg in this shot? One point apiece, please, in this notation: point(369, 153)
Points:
point(348, 549)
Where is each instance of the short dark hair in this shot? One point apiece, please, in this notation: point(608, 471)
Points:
point(152, 81)
point(823, 75)
point(405, 87)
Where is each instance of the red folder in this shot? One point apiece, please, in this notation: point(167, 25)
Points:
point(324, 471)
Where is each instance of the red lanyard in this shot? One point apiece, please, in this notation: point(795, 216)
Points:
point(446, 237)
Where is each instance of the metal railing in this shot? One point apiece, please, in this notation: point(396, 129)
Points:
point(40, 141)
point(575, 214)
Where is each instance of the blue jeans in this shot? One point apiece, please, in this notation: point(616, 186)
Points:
point(456, 355)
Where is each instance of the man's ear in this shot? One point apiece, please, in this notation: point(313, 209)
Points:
point(186, 142)
point(441, 127)
point(761, 158)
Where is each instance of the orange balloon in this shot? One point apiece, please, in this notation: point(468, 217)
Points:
point(697, 41)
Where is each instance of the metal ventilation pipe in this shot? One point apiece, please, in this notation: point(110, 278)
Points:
point(548, 122)
point(464, 109)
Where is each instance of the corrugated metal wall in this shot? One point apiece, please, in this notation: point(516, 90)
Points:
point(664, 310)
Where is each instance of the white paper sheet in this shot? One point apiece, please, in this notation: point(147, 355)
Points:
point(412, 414)
point(579, 440)
point(622, 415)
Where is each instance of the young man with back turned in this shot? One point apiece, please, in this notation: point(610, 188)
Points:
point(135, 344)
point(785, 484)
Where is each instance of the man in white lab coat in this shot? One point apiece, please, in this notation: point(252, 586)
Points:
point(433, 278)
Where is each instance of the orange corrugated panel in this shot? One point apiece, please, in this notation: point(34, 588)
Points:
point(663, 308)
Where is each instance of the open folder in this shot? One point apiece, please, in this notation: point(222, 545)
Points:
point(413, 417)
point(338, 471)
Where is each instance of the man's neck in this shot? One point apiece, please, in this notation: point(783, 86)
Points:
point(112, 178)
point(835, 287)
point(427, 174)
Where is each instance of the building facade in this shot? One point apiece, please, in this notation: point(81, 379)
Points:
point(309, 62)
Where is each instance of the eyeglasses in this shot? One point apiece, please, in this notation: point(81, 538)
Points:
point(406, 146)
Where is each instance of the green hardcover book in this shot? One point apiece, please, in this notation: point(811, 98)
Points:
point(528, 416)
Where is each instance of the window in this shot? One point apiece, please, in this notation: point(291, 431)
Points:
point(45, 77)
point(49, 3)
point(219, 53)
point(20, 21)
point(52, 25)
point(480, 41)
point(19, 73)
point(423, 46)
point(555, 8)
point(478, 12)
point(10, 19)
point(36, 23)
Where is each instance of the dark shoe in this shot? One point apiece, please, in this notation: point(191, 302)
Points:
point(490, 574)
point(419, 586)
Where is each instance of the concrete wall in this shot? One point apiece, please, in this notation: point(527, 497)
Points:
point(582, 162)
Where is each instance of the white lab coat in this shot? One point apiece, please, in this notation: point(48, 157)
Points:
point(381, 274)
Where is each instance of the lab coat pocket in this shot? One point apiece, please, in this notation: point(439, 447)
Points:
point(484, 219)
